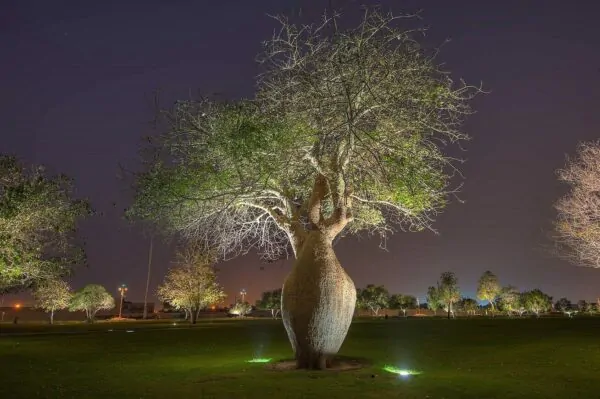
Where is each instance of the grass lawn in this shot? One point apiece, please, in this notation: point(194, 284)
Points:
point(478, 358)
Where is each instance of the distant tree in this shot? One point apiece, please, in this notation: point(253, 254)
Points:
point(433, 299)
point(402, 302)
point(576, 227)
point(52, 295)
point(38, 219)
point(468, 305)
point(270, 300)
point(91, 299)
point(448, 291)
point(565, 306)
point(372, 297)
point(488, 288)
point(509, 301)
point(535, 301)
point(585, 307)
point(191, 285)
point(241, 309)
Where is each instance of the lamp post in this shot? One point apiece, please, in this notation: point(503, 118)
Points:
point(145, 316)
point(243, 294)
point(122, 291)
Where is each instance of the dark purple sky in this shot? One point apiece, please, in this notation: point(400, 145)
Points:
point(76, 78)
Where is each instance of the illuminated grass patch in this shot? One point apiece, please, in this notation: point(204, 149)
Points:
point(399, 371)
point(259, 360)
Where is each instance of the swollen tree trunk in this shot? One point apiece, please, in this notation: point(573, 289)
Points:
point(317, 303)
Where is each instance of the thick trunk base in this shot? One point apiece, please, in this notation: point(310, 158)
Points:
point(317, 303)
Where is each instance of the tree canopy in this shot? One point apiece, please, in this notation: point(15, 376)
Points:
point(241, 309)
point(488, 288)
point(38, 219)
point(433, 299)
point(344, 134)
point(91, 299)
point(402, 302)
point(52, 295)
point(510, 300)
point(467, 305)
point(577, 228)
point(270, 300)
point(372, 297)
point(448, 291)
point(536, 301)
point(191, 285)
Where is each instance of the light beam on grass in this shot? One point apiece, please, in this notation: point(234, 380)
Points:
point(259, 360)
point(401, 372)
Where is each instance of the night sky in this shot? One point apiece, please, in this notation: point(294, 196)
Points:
point(77, 80)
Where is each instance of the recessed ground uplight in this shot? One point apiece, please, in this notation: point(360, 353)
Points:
point(259, 360)
point(401, 372)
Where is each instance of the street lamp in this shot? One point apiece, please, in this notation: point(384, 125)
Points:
point(122, 291)
point(243, 294)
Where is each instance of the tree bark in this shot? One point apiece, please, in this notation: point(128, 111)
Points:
point(193, 316)
point(317, 303)
point(52, 316)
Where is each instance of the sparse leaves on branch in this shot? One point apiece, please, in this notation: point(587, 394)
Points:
point(344, 135)
point(577, 230)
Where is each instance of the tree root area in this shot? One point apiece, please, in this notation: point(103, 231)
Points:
point(338, 363)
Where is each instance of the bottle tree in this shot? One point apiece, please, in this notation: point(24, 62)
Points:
point(344, 135)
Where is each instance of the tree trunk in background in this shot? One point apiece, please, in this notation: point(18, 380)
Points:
point(52, 316)
point(193, 316)
point(317, 303)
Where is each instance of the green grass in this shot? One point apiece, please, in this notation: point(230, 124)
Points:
point(479, 358)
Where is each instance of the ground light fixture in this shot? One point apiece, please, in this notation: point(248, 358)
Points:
point(401, 372)
point(259, 360)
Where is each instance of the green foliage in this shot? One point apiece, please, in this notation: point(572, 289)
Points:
point(372, 297)
point(488, 288)
point(359, 123)
point(584, 307)
point(52, 295)
point(510, 301)
point(91, 299)
point(467, 305)
point(565, 306)
point(448, 291)
point(270, 300)
point(38, 218)
point(192, 284)
point(241, 309)
point(535, 301)
point(402, 302)
point(433, 299)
